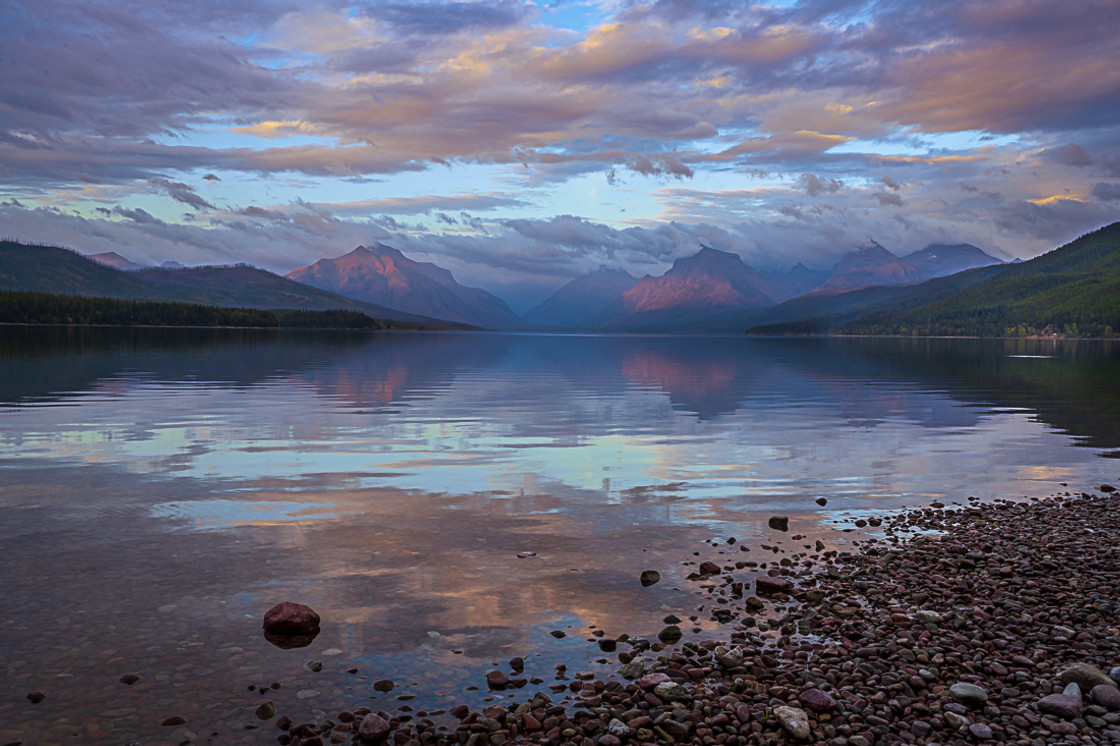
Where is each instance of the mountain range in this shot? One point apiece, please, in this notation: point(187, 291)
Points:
point(942, 289)
point(385, 276)
point(48, 269)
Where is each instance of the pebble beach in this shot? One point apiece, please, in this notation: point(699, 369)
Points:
point(987, 623)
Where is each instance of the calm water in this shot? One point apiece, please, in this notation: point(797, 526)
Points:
point(160, 490)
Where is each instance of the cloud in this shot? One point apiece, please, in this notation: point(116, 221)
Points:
point(1106, 192)
point(815, 186)
point(181, 193)
point(426, 204)
point(887, 198)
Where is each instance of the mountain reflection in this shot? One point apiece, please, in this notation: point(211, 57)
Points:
point(1070, 385)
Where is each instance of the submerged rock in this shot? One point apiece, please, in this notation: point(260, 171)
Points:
point(649, 577)
point(779, 522)
point(291, 625)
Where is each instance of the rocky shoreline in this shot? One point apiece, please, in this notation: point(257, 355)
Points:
point(993, 623)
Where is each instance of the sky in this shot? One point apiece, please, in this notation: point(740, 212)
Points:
point(520, 144)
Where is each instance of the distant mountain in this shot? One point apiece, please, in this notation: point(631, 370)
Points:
point(172, 264)
point(47, 269)
point(705, 283)
point(584, 296)
point(385, 276)
point(940, 260)
point(798, 280)
point(1073, 290)
point(868, 266)
point(114, 260)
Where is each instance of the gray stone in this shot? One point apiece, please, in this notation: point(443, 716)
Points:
point(980, 731)
point(1085, 675)
point(1072, 690)
point(632, 670)
point(968, 694)
point(955, 721)
point(928, 616)
point(618, 728)
point(794, 720)
point(670, 691)
point(730, 657)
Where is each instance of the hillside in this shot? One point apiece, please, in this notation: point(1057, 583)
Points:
point(584, 296)
point(48, 269)
point(384, 276)
point(1073, 290)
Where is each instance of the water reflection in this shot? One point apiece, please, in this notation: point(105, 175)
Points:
point(173, 486)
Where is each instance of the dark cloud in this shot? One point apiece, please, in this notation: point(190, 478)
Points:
point(815, 186)
point(1068, 155)
point(887, 198)
point(137, 215)
point(1106, 192)
point(181, 193)
point(211, 177)
point(889, 183)
point(438, 18)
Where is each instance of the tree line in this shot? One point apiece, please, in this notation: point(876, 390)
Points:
point(21, 307)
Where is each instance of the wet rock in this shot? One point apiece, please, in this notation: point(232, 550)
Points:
point(928, 616)
point(632, 670)
point(1084, 675)
point(794, 720)
point(822, 501)
point(778, 522)
point(129, 679)
point(266, 710)
point(383, 685)
point(650, 680)
point(1106, 696)
point(670, 634)
point(709, 568)
point(314, 666)
point(497, 680)
point(968, 694)
point(1106, 488)
point(816, 700)
point(768, 585)
point(36, 697)
point(373, 728)
point(291, 625)
point(172, 721)
point(649, 577)
point(517, 664)
point(730, 657)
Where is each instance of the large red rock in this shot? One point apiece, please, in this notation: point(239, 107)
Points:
point(287, 618)
point(767, 585)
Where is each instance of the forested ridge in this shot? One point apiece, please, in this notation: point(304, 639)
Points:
point(21, 307)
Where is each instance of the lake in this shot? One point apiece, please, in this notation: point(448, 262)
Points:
point(161, 489)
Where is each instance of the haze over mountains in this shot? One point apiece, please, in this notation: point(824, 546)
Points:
point(710, 291)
